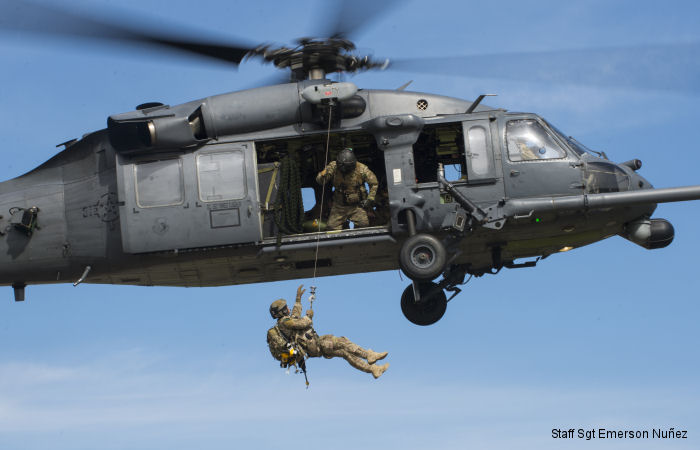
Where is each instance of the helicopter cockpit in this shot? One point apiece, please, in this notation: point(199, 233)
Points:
point(527, 140)
point(600, 174)
point(533, 139)
point(579, 148)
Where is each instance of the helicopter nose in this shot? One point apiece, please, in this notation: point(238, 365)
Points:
point(637, 181)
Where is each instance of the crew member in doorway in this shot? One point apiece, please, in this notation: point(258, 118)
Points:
point(350, 199)
point(293, 331)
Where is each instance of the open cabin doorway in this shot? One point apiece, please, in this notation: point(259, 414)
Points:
point(291, 200)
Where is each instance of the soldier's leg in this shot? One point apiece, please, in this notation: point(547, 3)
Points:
point(336, 219)
point(359, 217)
point(342, 347)
point(358, 363)
point(344, 344)
point(313, 349)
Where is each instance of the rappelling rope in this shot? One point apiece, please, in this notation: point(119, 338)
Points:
point(323, 193)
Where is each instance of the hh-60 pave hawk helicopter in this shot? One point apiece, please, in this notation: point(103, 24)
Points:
point(208, 192)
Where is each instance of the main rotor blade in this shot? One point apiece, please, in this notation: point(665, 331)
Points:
point(351, 16)
point(51, 20)
point(671, 67)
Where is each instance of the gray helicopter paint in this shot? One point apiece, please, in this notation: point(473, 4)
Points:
point(387, 103)
point(277, 110)
point(561, 176)
point(222, 115)
point(438, 212)
point(395, 136)
point(82, 206)
point(193, 216)
point(42, 255)
point(480, 154)
point(598, 201)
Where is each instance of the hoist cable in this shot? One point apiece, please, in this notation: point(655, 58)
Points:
point(323, 191)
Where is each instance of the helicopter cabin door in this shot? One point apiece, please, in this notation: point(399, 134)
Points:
point(478, 151)
point(480, 177)
point(201, 198)
point(535, 163)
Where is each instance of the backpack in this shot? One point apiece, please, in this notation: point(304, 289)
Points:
point(277, 343)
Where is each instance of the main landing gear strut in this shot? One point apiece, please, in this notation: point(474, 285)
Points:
point(425, 302)
point(423, 258)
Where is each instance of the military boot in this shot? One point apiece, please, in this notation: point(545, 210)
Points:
point(373, 357)
point(377, 371)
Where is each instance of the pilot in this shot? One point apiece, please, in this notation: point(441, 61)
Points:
point(350, 199)
point(526, 150)
point(292, 329)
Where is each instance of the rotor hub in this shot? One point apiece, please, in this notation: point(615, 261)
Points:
point(313, 58)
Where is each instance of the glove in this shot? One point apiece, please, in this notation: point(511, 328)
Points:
point(367, 203)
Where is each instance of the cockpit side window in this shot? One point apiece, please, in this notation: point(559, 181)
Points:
point(527, 140)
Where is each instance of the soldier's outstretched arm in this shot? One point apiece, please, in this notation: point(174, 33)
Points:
point(296, 310)
point(297, 323)
point(327, 173)
point(300, 292)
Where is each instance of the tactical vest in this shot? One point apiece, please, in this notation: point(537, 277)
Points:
point(349, 188)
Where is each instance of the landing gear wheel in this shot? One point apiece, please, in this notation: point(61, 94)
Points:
point(430, 308)
point(422, 257)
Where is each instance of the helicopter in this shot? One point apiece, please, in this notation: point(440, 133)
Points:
point(195, 194)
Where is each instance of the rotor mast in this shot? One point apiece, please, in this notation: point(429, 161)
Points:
point(312, 59)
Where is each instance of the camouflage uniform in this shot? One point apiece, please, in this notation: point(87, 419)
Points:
point(349, 193)
point(299, 330)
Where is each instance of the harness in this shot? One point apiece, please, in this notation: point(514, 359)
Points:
point(347, 193)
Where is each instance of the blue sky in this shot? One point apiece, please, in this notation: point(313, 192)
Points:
point(604, 336)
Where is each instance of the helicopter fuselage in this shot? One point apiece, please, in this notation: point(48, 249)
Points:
point(188, 195)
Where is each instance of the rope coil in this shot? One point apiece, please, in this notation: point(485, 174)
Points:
point(289, 215)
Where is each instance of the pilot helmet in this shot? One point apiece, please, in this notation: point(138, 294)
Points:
point(279, 308)
point(346, 160)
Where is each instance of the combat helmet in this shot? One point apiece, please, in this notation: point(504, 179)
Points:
point(277, 308)
point(346, 160)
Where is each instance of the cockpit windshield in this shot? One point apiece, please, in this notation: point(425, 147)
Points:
point(527, 140)
point(575, 145)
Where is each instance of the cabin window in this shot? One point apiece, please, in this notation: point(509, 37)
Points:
point(221, 176)
point(159, 183)
point(527, 140)
point(478, 150)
